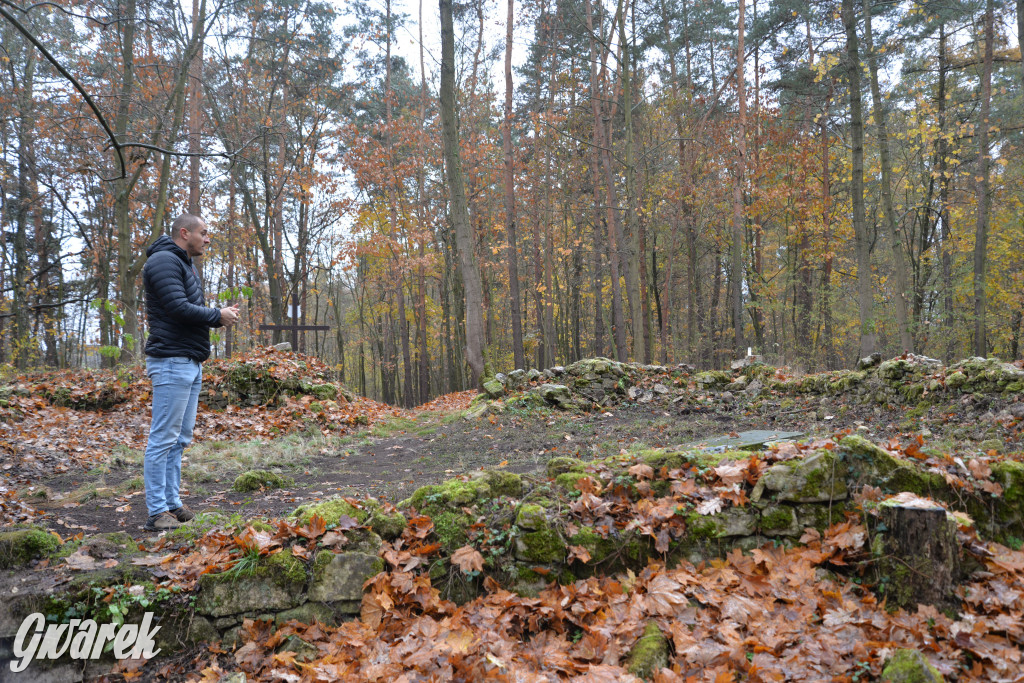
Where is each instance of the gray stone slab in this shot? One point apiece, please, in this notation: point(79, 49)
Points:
point(743, 440)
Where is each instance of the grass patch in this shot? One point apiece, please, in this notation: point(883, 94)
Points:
point(213, 460)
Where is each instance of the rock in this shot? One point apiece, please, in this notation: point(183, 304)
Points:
point(754, 388)
point(307, 613)
point(736, 521)
point(532, 375)
point(532, 517)
point(558, 370)
point(276, 584)
point(283, 346)
point(201, 630)
point(819, 477)
point(494, 389)
point(340, 577)
point(910, 666)
point(1016, 411)
point(779, 520)
point(556, 395)
point(647, 397)
point(475, 411)
point(686, 367)
point(634, 393)
point(869, 361)
point(727, 396)
point(650, 652)
point(302, 650)
point(660, 389)
point(236, 677)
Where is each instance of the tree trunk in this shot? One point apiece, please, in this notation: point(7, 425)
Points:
point(921, 557)
point(865, 294)
point(457, 200)
point(738, 218)
point(982, 190)
point(510, 200)
point(601, 145)
point(899, 260)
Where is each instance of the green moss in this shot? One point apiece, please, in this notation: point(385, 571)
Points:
point(912, 392)
point(287, 566)
point(543, 546)
point(910, 666)
point(1010, 474)
point(531, 516)
point(778, 518)
point(504, 483)
point(254, 480)
point(701, 527)
point(331, 511)
point(387, 526)
point(955, 380)
point(324, 392)
point(320, 563)
point(568, 480)
point(712, 378)
point(705, 460)
point(21, 546)
point(1014, 387)
point(787, 404)
point(450, 528)
point(600, 548)
point(876, 461)
point(650, 652)
point(454, 492)
point(659, 457)
point(561, 464)
point(909, 478)
point(991, 445)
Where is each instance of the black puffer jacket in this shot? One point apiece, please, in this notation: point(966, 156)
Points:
point(179, 322)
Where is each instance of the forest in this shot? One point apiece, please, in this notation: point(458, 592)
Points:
point(467, 188)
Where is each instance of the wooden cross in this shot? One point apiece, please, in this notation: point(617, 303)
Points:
point(295, 326)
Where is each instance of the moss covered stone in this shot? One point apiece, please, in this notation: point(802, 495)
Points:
point(387, 526)
point(712, 379)
point(504, 483)
point(910, 666)
point(254, 480)
point(561, 464)
point(331, 510)
point(819, 477)
point(454, 492)
point(532, 517)
point(340, 577)
point(1010, 474)
point(544, 546)
point(21, 546)
point(778, 520)
point(450, 527)
point(277, 583)
point(867, 459)
point(569, 480)
point(650, 652)
point(599, 547)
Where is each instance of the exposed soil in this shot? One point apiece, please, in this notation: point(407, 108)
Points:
point(393, 466)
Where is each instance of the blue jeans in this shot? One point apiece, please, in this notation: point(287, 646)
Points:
point(176, 385)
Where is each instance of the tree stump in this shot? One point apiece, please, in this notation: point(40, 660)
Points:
point(921, 562)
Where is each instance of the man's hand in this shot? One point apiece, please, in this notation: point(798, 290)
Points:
point(229, 315)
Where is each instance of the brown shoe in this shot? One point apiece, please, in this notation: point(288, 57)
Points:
point(183, 514)
point(164, 521)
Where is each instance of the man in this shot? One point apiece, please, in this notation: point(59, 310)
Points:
point(178, 343)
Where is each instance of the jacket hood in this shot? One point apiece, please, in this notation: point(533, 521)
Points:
point(165, 243)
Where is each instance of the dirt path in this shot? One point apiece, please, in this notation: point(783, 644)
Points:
point(392, 461)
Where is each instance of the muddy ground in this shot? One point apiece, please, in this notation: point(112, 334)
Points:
point(391, 460)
